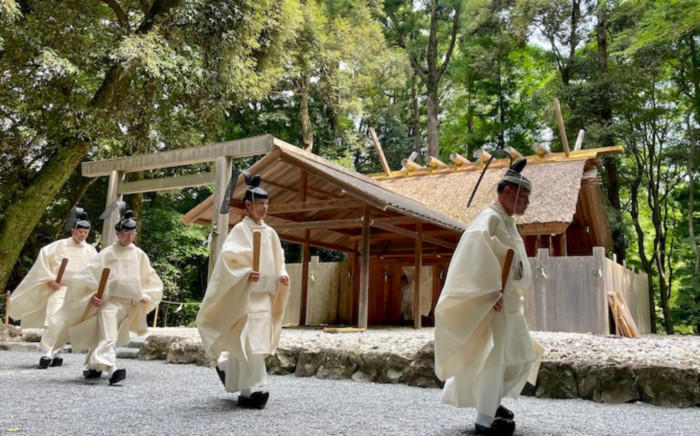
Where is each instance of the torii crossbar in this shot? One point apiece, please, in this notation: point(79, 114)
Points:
point(222, 153)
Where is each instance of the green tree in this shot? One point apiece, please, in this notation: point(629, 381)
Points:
point(76, 75)
point(428, 31)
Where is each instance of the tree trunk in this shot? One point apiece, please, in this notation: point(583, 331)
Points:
point(415, 115)
point(307, 133)
point(433, 146)
point(605, 116)
point(24, 214)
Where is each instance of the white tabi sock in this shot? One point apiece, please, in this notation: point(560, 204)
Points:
point(110, 371)
point(484, 420)
point(246, 392)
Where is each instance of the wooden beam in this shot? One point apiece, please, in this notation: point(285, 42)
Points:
point(416, 277)
point(322, 224)
point(562, 129)
point(238, 148)
point(376, 237)
point(108, 233)
point(314, 206)
point(363, 306)
point(542, 228)
point(312, 243)
point(380, 151)
point(166, 183)
point(414, 235)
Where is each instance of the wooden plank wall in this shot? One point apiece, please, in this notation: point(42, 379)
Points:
point(569, 293)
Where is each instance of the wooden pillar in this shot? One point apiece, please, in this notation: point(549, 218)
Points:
point(363, 304)
point(559, 244)
point(108, 234)
point(306, 257)
point(418, 261)
point(437, 286)
point(355, 286)
point(306, 253)
point(219, 220)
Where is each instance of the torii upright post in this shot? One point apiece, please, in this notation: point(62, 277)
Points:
point(220, 230)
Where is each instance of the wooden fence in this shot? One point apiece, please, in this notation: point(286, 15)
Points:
point(569, 294)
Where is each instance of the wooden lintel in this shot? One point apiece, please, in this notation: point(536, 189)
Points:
point(238, 148)
point(542, 228)
point(313, 243)
point(322, 224)
point(166, 183)
point(314, 206)
point(393, 236)
point(412, 234)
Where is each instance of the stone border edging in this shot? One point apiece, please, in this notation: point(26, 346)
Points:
point(664, 386)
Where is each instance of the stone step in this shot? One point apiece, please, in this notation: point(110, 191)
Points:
point(127, 352)
point(19, 346)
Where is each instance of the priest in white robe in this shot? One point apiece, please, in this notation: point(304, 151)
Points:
point(39, 296)
point(241, 315)
point(132, 290)
point(483, 349)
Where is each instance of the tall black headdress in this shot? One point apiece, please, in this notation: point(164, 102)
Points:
point(78, 220)
point(514, 176)
point(127, 221)
point(254, 191)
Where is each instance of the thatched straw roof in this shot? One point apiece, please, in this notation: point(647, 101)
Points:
point(553, 198)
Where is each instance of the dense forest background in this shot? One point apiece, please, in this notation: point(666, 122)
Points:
point(84, 80)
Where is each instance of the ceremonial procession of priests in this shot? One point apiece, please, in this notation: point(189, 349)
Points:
point(483, 349)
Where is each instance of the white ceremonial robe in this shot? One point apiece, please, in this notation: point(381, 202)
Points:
point(33, 301)
point(101, 329)
point(240, 321)
point(484, 355)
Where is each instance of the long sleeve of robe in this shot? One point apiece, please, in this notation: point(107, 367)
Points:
point(33, 301)
point(239, 316)
point(131, 277)
point(473, 341)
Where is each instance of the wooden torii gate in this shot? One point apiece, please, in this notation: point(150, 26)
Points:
point(222, 153)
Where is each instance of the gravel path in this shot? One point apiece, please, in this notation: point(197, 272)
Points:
point(159, 398)
point(681, 351)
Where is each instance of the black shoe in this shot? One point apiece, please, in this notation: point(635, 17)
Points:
point(57, 361)
point(221, 374)
point(44, 362)
point(257, 400)
point(92, 373)
point(499, 427)
point(504, 413)
point(117, 376)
